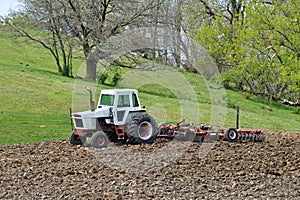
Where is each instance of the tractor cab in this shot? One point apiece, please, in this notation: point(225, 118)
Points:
point(120, 102)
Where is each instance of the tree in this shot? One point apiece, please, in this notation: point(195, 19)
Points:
point(169, 17)
point(273, 37)
point(42, 23)
point(217, 28)
point(92, 22)
point(255, 43)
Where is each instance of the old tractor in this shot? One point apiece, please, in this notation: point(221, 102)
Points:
point(117, 117)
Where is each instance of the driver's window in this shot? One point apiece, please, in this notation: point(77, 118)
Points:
point(123, 101)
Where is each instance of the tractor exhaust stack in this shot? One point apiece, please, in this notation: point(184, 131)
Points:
point(92, 103)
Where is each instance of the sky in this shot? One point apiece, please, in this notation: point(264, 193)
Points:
point(7, 5)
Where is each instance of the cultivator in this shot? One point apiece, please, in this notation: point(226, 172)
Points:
point(204, 132)
point(201, 133)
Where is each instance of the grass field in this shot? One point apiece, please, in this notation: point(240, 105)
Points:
point(35, 99)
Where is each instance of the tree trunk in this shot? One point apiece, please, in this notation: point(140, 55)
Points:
point(91, 66)
point(91, 62)
point(59, 69)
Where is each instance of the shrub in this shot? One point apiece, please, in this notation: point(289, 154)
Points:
point(297, 111)
point(116, 78)
point(231, 104)
point(246, 95)
point(102, 77)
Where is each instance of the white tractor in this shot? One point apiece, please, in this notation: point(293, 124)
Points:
point(117, 117)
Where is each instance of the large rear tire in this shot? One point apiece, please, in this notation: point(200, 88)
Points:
point(141, 129)
point(99, 140)
point(231, 135)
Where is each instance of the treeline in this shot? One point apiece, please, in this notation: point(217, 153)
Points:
point(86, 24)
point(255, 43)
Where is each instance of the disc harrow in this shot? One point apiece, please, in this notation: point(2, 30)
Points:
point(204, 132)
point(200, 133)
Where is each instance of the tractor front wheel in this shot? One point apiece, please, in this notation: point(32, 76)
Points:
point(99, 140)
point(76, 139)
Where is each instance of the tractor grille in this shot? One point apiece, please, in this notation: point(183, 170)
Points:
point(78, 123)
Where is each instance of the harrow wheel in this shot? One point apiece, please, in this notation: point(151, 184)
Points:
point(99, 140)
point(231, 135)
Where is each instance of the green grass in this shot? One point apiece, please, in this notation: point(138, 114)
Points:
point(35, 99)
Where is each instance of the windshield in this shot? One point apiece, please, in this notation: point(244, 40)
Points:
point(107, 99)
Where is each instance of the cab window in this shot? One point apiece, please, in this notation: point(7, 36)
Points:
point(107, 100)
point(123, 101)
point(135, 101)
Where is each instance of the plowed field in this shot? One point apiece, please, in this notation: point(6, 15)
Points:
point(242, 170)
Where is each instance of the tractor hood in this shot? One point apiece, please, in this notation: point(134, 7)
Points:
point(87, 119)
point(99, 112)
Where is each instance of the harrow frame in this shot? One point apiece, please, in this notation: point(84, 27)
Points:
point(204, 132)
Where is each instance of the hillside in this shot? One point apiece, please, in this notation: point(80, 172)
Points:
point(35, 99)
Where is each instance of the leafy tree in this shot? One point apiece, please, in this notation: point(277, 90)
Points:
point(255, 43)
point(273, 36)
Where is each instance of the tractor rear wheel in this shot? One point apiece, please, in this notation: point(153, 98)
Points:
point(76, 139)
point(99, 140)
point(231, 135)
point(141, 129)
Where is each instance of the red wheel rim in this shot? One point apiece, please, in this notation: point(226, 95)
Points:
point(145, 130)
point(100, 140)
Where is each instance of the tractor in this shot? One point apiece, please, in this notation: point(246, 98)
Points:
point(118, 117)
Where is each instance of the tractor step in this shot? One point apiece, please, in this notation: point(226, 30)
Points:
point(121, 137)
